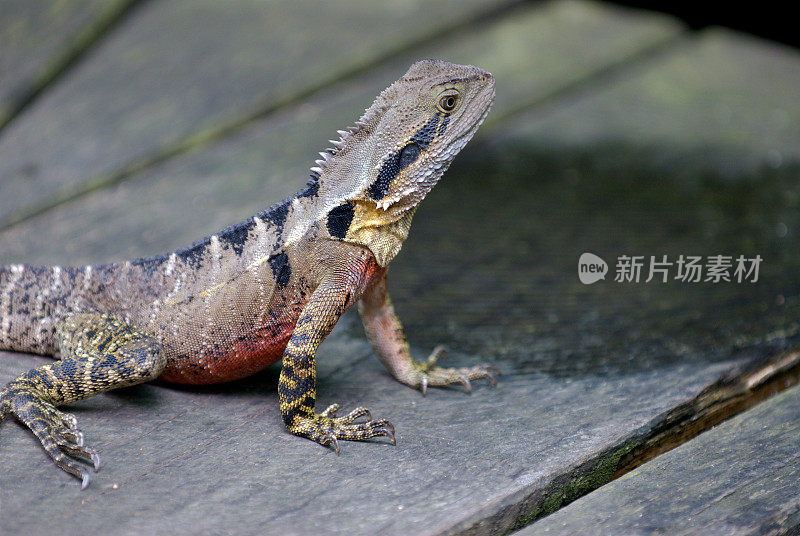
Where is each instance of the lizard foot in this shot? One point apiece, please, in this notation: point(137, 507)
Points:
point(327, 429)
point(57, 431)
point(428, 373)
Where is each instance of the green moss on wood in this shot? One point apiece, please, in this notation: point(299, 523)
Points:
point(581, 481)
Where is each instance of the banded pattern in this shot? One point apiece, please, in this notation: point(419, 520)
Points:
point(101, 353)
point(297, 382)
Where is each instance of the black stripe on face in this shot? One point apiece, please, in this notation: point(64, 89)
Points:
point(403, 158)
point(425, 135)
point(339, 220)
point(443, 126)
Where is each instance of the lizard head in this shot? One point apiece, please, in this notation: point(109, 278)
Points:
point(418, 125)
point(379, 171)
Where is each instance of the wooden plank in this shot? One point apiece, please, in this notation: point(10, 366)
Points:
point(737, 479)
point(177, 69)
point(625, 181)
point(187, 457)
point(709, 105)
point(38, 38)
point(589, 372)
point(200, 193)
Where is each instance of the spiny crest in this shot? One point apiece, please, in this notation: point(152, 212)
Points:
point(370, 115)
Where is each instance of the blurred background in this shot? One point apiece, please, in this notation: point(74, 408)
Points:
point(134, 128)
point(763, 22)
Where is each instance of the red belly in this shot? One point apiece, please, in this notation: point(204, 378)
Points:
point(250, 353)
point(239, 358)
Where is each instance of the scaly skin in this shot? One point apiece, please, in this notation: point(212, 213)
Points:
point(270, 287)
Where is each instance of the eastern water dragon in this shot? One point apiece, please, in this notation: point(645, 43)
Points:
point(269, 288)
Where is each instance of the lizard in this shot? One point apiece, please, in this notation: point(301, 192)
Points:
point(269, 288)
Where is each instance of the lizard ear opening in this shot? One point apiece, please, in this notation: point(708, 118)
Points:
point(408, 155)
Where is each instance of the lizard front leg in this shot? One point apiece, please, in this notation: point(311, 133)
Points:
point(385, 333)
point(297, 382)
point(99, 353)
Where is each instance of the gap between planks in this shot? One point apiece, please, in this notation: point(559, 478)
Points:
point(738, 391)
point(72, 54)
point(235, 123)
point(715, 404)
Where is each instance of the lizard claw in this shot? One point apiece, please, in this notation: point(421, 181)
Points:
point(427, 373)
point(57, 431)
point(492, 373)
point(94, 457)
point(464, 380)
point(327, 431)
point(82, 452)
point(388, 428)
point(331, 440)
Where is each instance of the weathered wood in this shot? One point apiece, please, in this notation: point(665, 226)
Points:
point(196, 195)
point(38, 38)
point(490, 270)
point(182, 68)
point(737, 479)
point(220, 459)
point(718, 95)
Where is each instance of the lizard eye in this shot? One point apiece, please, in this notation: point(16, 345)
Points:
point(448, 101)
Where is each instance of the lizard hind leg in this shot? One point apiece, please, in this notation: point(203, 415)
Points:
point(98, 353)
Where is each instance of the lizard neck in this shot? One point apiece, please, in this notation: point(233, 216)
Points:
point(371, 229)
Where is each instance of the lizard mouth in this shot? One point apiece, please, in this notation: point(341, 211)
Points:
point(485, 95)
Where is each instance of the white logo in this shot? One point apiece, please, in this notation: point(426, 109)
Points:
point(591, 268)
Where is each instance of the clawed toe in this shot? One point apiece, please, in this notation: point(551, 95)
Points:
point(355, 414)
point(57, 431)
point(387, 430)
point(330, 440)
point(73, 435)
point(491, 373)
point(72, 467)
point(330, 411)
point(440, 352)
point(327, 429)
point(428, 374)
point(465, 381)
point(79, 451)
